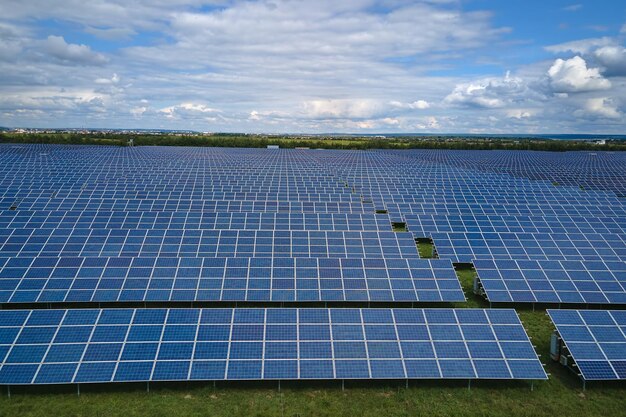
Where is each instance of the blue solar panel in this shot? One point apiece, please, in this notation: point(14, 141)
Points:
point(573, 282)
point(99, 279)
point(205, 243)
point(238, 344)
point(596, 340)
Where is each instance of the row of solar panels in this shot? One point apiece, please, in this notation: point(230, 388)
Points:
point(88, 346)
point(426, 224)
point(438, 188)
point(399, 210)
point(468, 247)
point(190, 205)
point(600, 170)
point(192, 220)
point(101, 279)
point(207, 243)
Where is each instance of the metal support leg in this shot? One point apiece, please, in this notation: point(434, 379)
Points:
point(9, 391)
point(343, 386)
point(147, 386)
point(406, 385)
point(469, 384)
point(78, 390)
point(532, 386)
point(279, 385)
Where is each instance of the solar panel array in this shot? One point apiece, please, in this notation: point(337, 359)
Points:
point(83, 224)
point(517, 206)
point(88, 346)
point(596, 341)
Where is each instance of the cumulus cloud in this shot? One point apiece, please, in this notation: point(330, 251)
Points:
point(600, 107)
point(573, 76)
point(107, 81)
point(188, 111)
point(415, 105)
point(520, 113)
point(342, 108)
point(288, 66)
point(137, 112)
point(491, 93)
point(56, 47)
point(613, 59)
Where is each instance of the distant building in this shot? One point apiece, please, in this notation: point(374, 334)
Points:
point(273, 147)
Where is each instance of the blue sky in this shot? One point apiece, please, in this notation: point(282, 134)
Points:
point(435, 66)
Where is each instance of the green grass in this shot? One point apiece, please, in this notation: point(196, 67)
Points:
point(561, 395)
point(425, 250)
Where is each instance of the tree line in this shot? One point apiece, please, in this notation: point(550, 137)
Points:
point(262, 141)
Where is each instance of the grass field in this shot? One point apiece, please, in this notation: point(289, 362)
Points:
point(562, 395)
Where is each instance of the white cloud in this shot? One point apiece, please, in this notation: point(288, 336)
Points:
point(342, 109)
point(70, 53)
point(188, 111)
point(137, 112)
point(613, 58)
point(429, 124)
point(391, 121)
point(491, 93)
point(581, 46)
point(285, 65)
point(601, 107)
point(113, 80)
point(573, 75)
point(416, 105)
point(520, 113)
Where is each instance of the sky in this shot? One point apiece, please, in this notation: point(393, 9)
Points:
point(315, 66)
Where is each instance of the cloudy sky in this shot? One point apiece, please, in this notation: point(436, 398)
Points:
point(434, 66)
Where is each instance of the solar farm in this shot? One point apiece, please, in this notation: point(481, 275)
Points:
point(271, 274)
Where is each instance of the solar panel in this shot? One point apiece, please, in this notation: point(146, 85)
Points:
point(205, 243)
point(572, 282)
point(88, 346)
point(102, 279)
point(467, 247)
point(596, 340)
point(425, 225)
point(184, 220)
